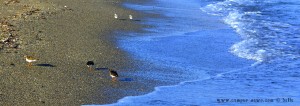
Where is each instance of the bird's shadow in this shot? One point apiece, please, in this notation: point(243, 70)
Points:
point(125, 79)
point(45, 65)
point(122, 19)
point(101, 69)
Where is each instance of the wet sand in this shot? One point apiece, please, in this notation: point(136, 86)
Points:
point(63, 35)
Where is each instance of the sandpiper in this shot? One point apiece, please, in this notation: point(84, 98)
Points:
point(116, 16)
point(90, 65)
point(114, 75)
point(30, 59)
point(130, 17)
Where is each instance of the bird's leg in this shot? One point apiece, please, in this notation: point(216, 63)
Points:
point(114, 79)
point(29, 64)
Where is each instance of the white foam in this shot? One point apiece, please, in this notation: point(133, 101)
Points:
point(184, 93)
point(245, 49)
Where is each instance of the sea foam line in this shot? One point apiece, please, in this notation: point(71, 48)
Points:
point(159, 88)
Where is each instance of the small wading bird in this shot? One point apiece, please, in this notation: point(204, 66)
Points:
point(90, 65)
point(130, 17)
point(116, 16)
point(114, 75)
point(30, 59)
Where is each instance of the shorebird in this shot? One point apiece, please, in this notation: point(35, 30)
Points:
point(30, 59)
point(90, 65)
point(114, 75)
point(130, 17)
point(116, 16)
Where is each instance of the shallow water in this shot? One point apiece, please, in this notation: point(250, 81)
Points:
point(244, 51)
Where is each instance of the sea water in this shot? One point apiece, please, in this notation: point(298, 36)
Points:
point(219, 52)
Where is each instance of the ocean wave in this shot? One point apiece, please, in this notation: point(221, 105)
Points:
point(267, 29)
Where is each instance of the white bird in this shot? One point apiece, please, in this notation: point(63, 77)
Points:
point(116, 16)
point(30, 59)
point(130, 17)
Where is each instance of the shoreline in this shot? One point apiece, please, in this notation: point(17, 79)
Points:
point(199, 45)
point(178, 51)
point(66, 38)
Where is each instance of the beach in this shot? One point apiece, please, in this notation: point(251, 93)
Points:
point(63, 35)
point(209, 52)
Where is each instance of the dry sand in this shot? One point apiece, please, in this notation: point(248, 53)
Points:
point(64, 34)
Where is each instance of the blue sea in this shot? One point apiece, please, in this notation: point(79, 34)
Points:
point(217, 52)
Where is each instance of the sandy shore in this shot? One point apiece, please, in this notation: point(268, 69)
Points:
point(64, 35)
